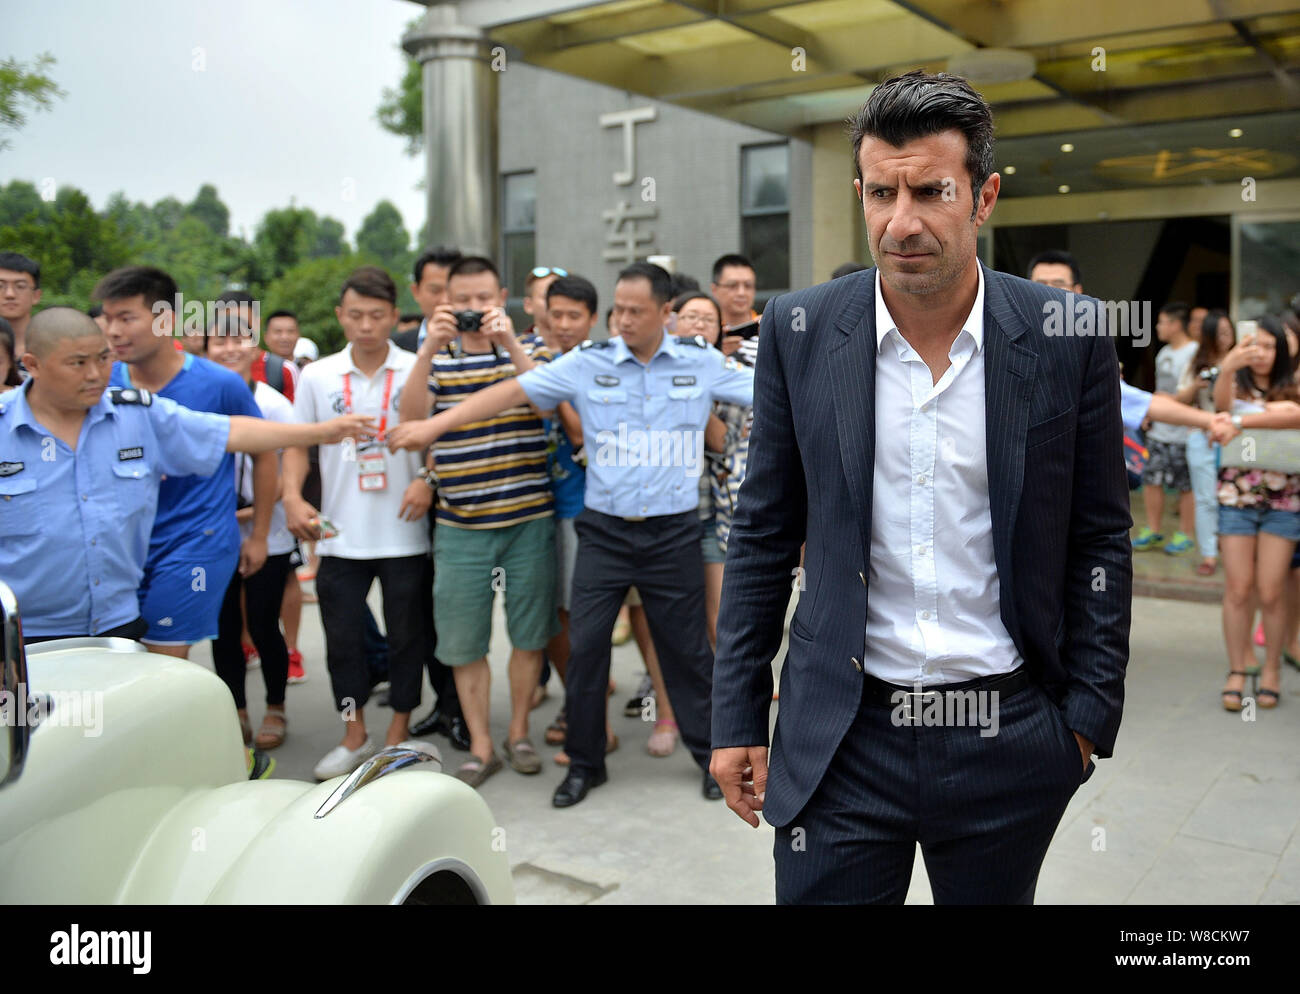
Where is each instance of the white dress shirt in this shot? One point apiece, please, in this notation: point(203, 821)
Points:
point(369, 526)
point(933, 605)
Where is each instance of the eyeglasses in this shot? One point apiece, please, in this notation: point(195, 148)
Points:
point(735, 285)
point(20, 286)
point(698, 317)
point(540, 271)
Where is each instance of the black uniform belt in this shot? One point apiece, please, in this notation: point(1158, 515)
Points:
point(885, 695)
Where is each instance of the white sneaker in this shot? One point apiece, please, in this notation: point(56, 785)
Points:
point(341, 760)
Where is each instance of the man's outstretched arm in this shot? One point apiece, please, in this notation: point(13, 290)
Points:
point(479, 406)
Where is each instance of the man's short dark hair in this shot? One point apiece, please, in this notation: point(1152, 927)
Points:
point(1177, 310)
point(370, 281)
point(412, 318)
point(731, 259)
point(574, 288)
point(918, 104)
point(845, 268)
point(282, 313)
point(472, 265)
point(439, 255)
point(17, 263)
point(661, 284)
point(95, 311)
point(237, 299)
point(684, 283)
point(152, 284)
point(1056, 257)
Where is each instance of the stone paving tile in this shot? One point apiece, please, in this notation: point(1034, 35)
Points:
point(1196, 871)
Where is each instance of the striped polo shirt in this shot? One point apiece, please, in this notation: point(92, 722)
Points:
point(490, 473)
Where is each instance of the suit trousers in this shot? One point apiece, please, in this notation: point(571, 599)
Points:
point(661, 557)
point(983, 808)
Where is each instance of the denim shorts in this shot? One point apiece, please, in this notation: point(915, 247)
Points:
point(710, 547)
point(1252, 520)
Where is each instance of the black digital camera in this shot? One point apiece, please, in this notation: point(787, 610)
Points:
point(469, 320)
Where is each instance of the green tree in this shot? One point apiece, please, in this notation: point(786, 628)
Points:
point(311, 290)
point(24, 87)
point(401, 110)
point(19, 200)
point(208, 208)
point(330, 240)
point(384, 236)
point(74, 245)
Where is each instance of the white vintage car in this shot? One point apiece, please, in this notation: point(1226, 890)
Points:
point(123, 779)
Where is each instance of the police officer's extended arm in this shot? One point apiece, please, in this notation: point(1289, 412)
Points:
point(476, 407)
point(259, 435)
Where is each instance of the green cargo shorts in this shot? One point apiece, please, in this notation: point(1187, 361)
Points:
point(472, 565)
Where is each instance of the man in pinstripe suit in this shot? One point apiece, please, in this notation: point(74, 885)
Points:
point(955, 473)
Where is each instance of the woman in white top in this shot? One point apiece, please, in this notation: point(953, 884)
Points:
point(230, 343)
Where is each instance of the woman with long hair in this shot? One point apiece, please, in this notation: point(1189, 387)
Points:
point(1196, 387)
point(1258, 519)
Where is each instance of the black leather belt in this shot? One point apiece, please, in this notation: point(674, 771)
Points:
point(884, 695)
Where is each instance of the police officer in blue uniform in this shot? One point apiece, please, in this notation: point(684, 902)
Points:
point(644, 399)
point(79, 474)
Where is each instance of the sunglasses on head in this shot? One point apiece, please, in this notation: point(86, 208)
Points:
point(540, 271)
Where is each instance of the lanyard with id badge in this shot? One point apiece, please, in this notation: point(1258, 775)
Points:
point(372, 471)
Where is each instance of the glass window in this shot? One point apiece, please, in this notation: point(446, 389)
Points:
point(518, 232)
point(765, 215)
point(1268, 259)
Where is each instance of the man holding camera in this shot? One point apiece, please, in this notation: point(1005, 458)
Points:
point(495, 512)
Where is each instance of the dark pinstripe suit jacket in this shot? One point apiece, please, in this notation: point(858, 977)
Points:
point(1059, 499)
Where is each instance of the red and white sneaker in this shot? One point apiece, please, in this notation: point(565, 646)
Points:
point(251, 659)
point(296, 673)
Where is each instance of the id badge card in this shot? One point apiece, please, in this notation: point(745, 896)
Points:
point(373, 475)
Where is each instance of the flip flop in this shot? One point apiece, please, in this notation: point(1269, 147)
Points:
point(558, 730)
point(522, 756)
point(474, 771)
point(275, 726)
point(562, 757)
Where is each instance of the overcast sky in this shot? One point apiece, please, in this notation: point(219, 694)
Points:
point(270, 100)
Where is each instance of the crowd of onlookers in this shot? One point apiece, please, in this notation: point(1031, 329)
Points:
point(501, 497)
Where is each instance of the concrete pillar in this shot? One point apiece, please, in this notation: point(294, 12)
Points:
point(460, 131)
point(839, 234)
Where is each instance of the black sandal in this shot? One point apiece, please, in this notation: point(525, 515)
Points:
point(1227, 695)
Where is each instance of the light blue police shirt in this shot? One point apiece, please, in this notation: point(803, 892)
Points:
point(74, 525)
point(642, 423)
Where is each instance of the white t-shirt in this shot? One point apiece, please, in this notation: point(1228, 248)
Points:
point(274, 407)
point(369, 527)
point(1170, 365)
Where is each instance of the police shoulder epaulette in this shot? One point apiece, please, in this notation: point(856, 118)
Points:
point(698, 340)
point(130, 395)
point(589, 344)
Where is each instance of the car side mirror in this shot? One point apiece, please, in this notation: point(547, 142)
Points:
point(15, 734)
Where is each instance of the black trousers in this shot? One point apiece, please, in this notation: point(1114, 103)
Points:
point(661, 557)
point(263, 592)
point(983, 808)
point(341, 588)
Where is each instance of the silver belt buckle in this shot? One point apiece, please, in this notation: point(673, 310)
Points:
point(908, 715)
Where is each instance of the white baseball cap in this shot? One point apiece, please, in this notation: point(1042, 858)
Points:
point(305, 348)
